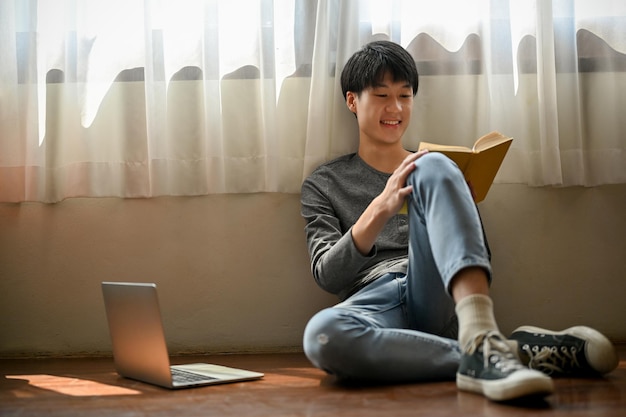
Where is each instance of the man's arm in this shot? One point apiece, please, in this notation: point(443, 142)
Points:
point(335, 260)
point(386, 205)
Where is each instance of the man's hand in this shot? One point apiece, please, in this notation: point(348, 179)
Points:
point(385, 206)
point(394, 195)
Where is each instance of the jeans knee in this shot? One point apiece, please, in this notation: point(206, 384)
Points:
point(435, 171)
point(435, 165)
point(317, 335)
point(327, 340)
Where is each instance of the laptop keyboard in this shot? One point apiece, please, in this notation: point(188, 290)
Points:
point(184, 377)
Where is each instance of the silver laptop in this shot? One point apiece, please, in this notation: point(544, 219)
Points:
point(139, 346)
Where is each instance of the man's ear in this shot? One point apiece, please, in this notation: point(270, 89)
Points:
point(351, 101)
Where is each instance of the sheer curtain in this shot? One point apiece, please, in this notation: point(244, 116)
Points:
point(142, 98)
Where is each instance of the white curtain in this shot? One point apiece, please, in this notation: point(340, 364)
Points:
point(142, 98)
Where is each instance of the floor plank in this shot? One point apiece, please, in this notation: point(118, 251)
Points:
point(291, 387)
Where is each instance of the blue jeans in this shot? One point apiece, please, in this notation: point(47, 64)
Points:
point(402, 328)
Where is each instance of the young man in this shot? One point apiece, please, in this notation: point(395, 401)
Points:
point(406, 272)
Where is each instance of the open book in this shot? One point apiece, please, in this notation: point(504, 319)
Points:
point(479, 164)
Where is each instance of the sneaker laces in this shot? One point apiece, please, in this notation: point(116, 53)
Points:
point(495, 351)
point(551, 359)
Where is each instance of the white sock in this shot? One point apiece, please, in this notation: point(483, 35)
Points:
point(475, 315)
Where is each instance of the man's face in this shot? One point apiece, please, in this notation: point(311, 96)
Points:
point(383, 111)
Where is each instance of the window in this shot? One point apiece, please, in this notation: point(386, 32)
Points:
point(144, 98)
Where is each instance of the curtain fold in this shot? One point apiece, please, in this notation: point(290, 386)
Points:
point(143, 98)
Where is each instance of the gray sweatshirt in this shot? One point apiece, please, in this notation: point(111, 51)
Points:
point(333, 198)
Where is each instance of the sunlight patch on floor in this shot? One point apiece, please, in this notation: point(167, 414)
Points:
point(74, 387)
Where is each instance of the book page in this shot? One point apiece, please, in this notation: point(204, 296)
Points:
point(490, 140)
point(443, 148)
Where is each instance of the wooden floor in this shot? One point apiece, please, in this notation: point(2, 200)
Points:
point(291, 387)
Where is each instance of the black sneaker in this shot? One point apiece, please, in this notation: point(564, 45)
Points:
point(577, 351)
point(490, 367)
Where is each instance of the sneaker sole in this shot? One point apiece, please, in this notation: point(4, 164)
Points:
point(523, 383)
point(597, 347)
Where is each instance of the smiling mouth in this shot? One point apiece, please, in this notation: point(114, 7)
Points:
point(390, 122)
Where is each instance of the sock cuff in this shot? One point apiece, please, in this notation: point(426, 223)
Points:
point(474, 301)
point(475, 314)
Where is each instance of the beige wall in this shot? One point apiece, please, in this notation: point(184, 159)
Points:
point(233, 270)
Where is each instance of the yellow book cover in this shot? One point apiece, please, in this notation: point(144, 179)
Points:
point(479, 164)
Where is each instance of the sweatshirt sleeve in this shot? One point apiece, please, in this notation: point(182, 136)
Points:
point(335, 260)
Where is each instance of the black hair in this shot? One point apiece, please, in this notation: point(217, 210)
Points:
point(368, 66)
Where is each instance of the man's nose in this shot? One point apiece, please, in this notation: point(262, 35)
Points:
point(394, 105)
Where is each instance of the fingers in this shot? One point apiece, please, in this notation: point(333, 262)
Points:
point(397, 190)
point(408, 164)
point(415, 156)
point(405, 191)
